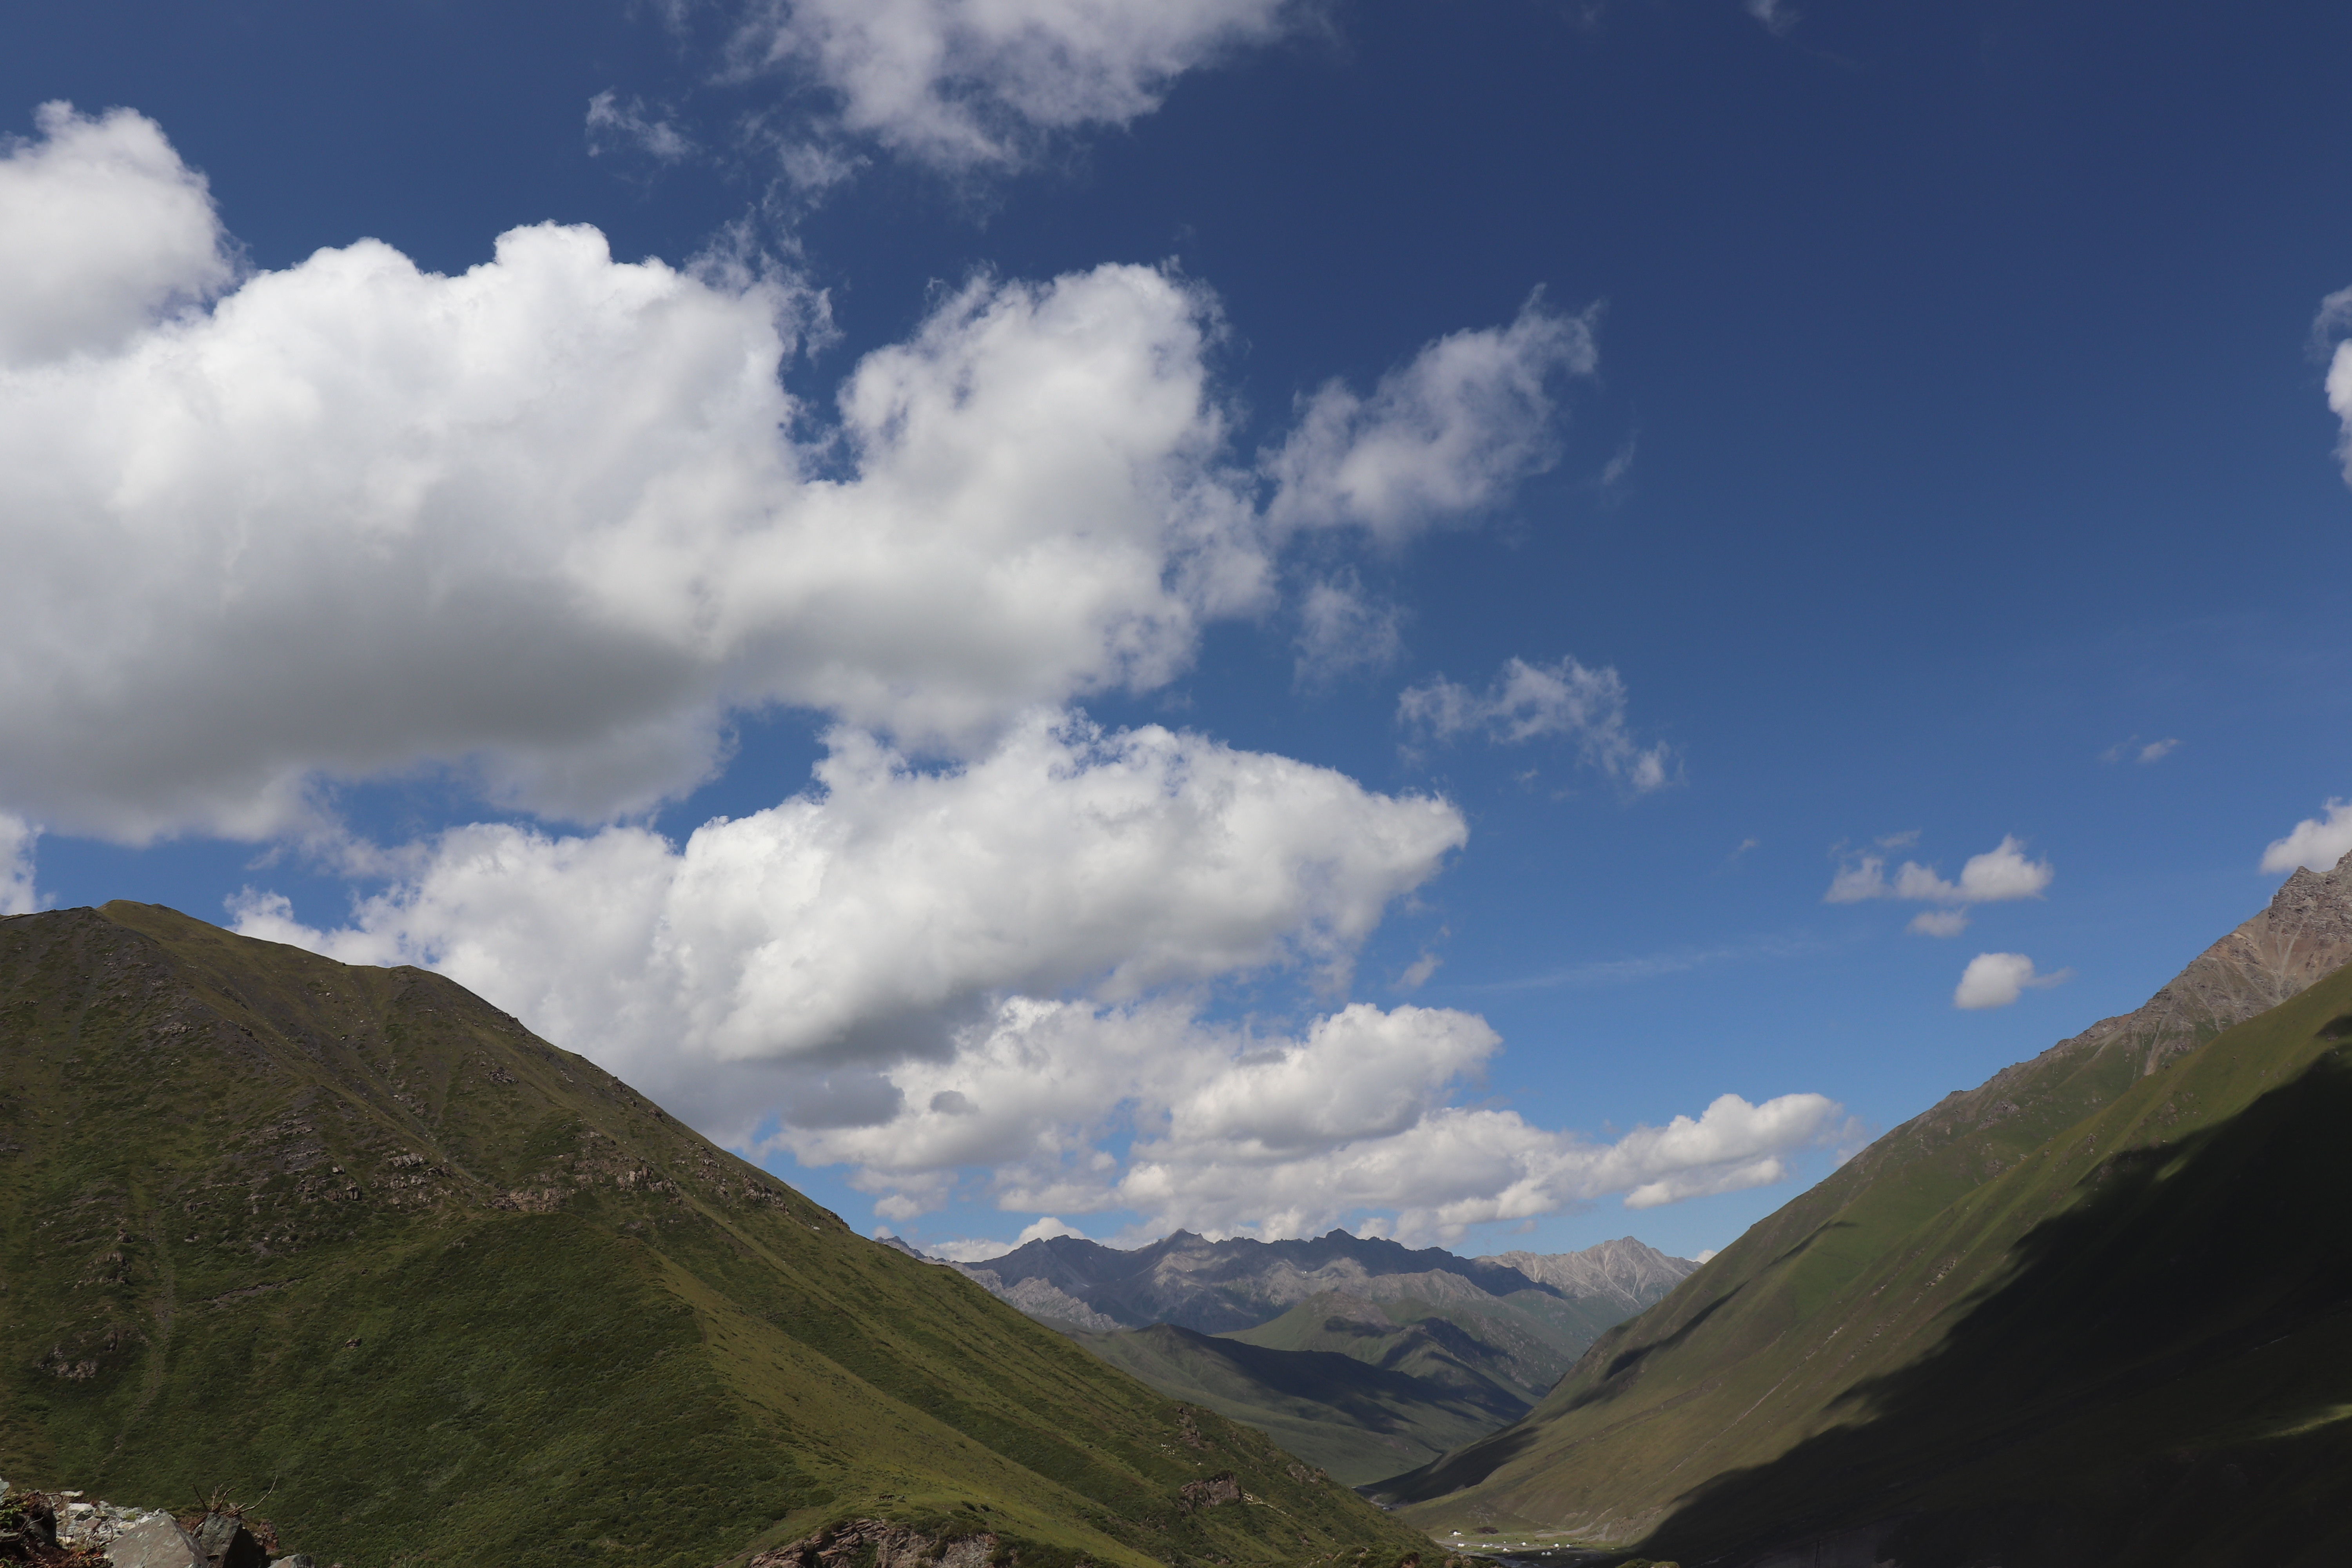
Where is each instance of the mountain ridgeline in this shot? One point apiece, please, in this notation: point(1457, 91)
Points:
point(356, 1240)
point(1364, 1356)
point(2095, 1312)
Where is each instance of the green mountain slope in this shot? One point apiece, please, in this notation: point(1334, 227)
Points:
point(1520, 1344)
point(2018, 1322)
point(355, 1238)
point(1358, 1419)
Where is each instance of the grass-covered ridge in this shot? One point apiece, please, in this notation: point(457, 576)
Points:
point(2091, 1313)
point(355, 1238)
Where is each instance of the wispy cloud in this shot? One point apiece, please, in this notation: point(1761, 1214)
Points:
point(1656, 966)
point(614, 125)
point(1529, 701)
point(2132, 749)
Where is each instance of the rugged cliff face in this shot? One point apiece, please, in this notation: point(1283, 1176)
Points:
point(355, 1240)
point(2103, 1289)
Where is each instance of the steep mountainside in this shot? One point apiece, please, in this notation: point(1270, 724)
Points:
point(2091, 1312)
point(356, 1239)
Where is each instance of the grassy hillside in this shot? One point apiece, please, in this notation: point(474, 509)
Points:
point(2099, 1319)
point(356, 1240)
point(1520, 1344)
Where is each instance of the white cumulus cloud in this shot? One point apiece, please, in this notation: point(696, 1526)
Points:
point(2335, 317)
point(1446, 435)
point(2318, 842)
point(1530, 701)
point(1998, 979)
point(1233, 1133)
point(103, 231)
point(967, 83)
point(1999, 875)
point(550, 522)
point(875, 916)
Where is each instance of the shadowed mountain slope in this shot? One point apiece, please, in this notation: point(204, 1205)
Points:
point(2104, 1288)
point(1358, 1418)
point(354, 1238)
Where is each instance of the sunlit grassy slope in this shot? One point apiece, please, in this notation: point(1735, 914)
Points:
point(354, 1238)
point(2099, 1318)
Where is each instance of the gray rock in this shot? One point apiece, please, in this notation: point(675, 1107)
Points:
point(300, 1560)
point(226, 1543)
point(157, 1542)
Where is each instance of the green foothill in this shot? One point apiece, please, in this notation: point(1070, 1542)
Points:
point(352, 1240)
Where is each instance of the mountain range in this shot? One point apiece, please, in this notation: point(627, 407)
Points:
point(2092, 1312)
point(1362, 1355)
point(356, 1241)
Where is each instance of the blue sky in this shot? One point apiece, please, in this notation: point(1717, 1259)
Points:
point(1387, 558)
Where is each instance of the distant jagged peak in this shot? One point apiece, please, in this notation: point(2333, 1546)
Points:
point(1627, 1270)
point(1214, 1287)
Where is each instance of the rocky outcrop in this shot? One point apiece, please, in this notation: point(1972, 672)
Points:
point(2304, 935)
point(1625, 1272)
point(883, 1545)
point(61, 1527)
point(1209, 1491)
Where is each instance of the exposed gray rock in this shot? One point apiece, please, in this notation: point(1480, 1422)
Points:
point(1215, 1287)
point(226, 1543)
point(1627, 1272)
point(881, 1544)
point(156, 1542)
point(1211, 1491)
point(300, 1560)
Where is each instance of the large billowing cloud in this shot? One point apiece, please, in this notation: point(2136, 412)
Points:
point(964, 83)
point(551, 521)
point(870, 918)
